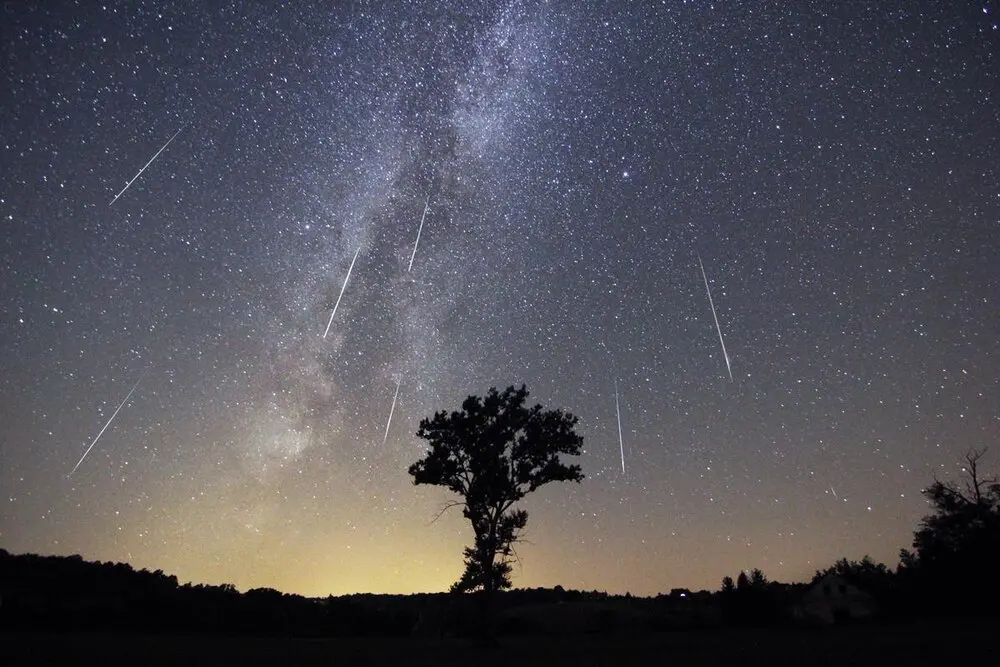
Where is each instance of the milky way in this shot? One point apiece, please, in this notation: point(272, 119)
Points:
point(568, 167)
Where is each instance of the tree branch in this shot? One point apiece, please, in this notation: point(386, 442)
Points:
point(447, 506)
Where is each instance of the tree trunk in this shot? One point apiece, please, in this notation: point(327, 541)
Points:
point(487, 631)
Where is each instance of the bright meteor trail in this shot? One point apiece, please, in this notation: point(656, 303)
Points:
point(716, 318)
point(391, 410)
point(113, 415)
point(618, 414)
point(129, 184)
point(419, 229)
point(341, 293)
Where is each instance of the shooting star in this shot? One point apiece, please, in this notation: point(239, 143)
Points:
point(129, 184)
point(391, 410)
point(341, 293)
point(618, 413)
point(834, 492)
point(113, 415)
point(419, 229)
point(716, 318)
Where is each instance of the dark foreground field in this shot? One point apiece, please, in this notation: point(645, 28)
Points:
point(912, 644)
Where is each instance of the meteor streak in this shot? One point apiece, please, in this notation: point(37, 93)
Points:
point(716, 318)
point(129, 184)
point(113, 415)
point(341, 293)
point(618, 413)
point(391, 410)
point(419, 229)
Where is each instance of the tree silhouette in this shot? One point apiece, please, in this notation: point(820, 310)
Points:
point(753, 601)
point(866, 574)
point(758, 581)
point(957, 547)
point(861, 573)
point(964, 515)
point(492, 453)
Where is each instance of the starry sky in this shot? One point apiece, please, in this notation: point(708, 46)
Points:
point(570, 167)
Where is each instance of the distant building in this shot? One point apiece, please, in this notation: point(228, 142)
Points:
point(833, 599)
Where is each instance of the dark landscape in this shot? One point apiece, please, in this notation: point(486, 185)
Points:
point(940, 602)
point(912, 644)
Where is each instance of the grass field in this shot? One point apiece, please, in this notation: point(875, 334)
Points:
point(913, 644)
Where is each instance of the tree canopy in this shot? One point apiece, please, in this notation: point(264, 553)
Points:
point(958, 545)
point(492, 453)
point(965, 518)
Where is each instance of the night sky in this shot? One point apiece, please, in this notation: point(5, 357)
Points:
point(834, 165)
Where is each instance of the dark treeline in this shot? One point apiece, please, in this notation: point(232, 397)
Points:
point(950, 573)
point(55, 593)
point(70, 594)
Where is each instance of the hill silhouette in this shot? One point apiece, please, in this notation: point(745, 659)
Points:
point(70, 594)
point(54, 609)
point(67, 593)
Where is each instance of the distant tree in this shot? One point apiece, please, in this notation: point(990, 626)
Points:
point(957, 547)
point(727, 585)
point(907, 561)
point(853, 570)
point(754, 601)
point(492, 453)
point(965, 516)
point(866, 574)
